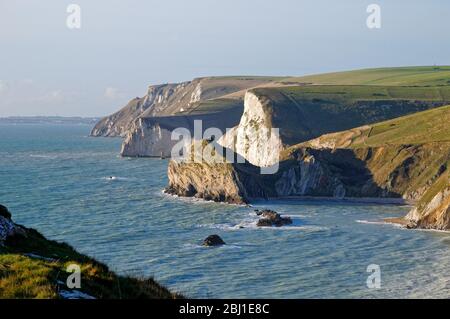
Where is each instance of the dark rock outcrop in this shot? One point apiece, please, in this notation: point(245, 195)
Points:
point(4, 212)
point(213, 240)
point(271, 218)
point(8, 228)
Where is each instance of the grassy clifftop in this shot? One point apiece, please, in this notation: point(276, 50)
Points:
point(418, 128)
point(405, 76)
point(32, 266)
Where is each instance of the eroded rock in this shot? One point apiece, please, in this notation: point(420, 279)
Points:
point(4, 212)
point(213, 240)
point(271, 218)
point(7, 227)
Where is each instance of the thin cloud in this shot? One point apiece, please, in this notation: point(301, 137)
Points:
point(4, 87)
point(113, 93)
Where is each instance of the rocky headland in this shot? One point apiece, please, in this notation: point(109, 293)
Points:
point(146, 123)
point(405, 158)
point(377, 134)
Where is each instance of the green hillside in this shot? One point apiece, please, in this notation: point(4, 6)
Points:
point(418, 128)
point(392, 76)
point(405, 76)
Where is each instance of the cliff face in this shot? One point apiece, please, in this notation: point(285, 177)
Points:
point(156, 101)
point(145, 122)
point(174, 99)
point(377, 172)
point(301, 112)
point(405, 158)
point(146, 139)
point(151, 136)
point(220, 183)
point(297, 115)
point(253, 138)
point(433, 208)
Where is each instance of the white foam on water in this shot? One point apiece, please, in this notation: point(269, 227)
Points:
point(433, 230)
point(295, 215)
point(252, 225)
point(198, 246)
point(192, 246)
point(380, 222)
point(196, 200)
point(44, 156)
point(118, 178)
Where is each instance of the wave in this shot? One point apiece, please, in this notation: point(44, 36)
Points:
point(433, 230)
point(378, 222)
point(252, 225)
point(198, 246)
point(196, 200)
point(118, 178)
point(44, 156)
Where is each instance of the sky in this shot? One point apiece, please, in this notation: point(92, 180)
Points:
point(122, 47)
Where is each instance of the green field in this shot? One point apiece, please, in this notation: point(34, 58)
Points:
point(351, 93)
point(418, 128)
point(404, 76)
point(215, 105)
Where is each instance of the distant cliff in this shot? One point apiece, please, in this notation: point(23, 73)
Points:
point(151, 136)
point(303, 108)
point(144, 121)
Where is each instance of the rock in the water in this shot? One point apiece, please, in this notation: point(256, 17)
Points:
point(213, 240)
point(271, 218)
point(4, 212)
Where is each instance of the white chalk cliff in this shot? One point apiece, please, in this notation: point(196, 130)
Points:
point(254, 138)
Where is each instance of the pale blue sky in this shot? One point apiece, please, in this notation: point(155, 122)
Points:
point(124, 46)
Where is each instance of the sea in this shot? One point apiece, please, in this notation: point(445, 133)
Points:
point(78, 189)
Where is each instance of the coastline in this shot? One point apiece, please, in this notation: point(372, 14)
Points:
point(356, 200)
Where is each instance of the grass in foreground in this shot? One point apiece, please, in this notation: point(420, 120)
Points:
point(34, 267)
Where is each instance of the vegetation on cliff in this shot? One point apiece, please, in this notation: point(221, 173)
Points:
point(32, 266)
point(405, 76)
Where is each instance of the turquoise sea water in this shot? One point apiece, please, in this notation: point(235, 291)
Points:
point(56, 179)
